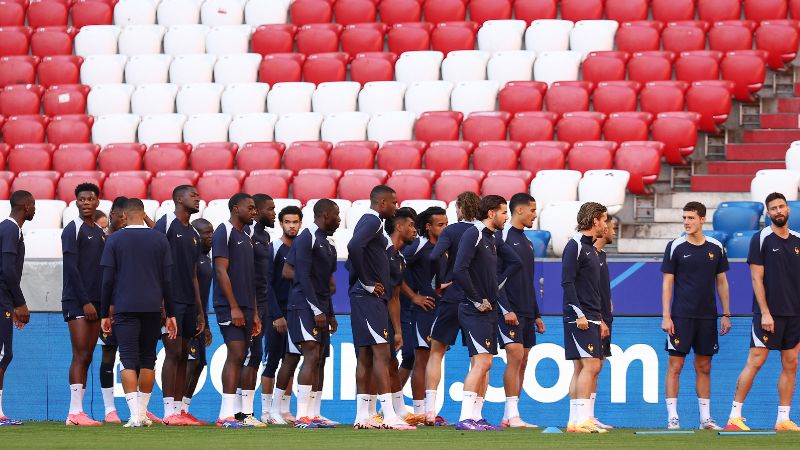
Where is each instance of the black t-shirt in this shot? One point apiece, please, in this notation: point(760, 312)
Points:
point(86, 243)
point(695, 268)
point(233, 244)
point(184, 243)
point(781, 260)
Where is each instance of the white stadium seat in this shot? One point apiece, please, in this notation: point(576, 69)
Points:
point(556, 66)
point(147, 69)
point(222, 12)
point(463, 65)
point(341, 238)
point(115, 128)
point(48, 215)
point(422, 96)
point(97, 40)
point(237, 68)
point(606, 187)
point(560, 219)
point(169, 206)
point(199, 98)
point(155, 128)
point(452, 213)
point(512, 65)
point(178, 12)
point(774, 180)
point(156, 98)
point(391, 126)
point(555, 186)
point(256, 127)
point(103, 69)
point(244, 98)
point(354, 213)
point(185, 39)
point(418, 66)
point(281, 203)
point(71, 213)
point(266, 12)
point(192, 69)
point(134, 12)
point(421, 205)
point(380, 96)
point(201, 128)
point(344, 126)
point(141, 39)
point(292, 97)
point(472, 96)
point(303, 126)
point(793, 157)
point(109, 99)
point(499, 35)
point(228, 39)
point(216, 213)
point(548, 35)
point(336, 96)
point(593, 36)
point(43, 243)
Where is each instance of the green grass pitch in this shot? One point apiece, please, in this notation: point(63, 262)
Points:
point(52, 435)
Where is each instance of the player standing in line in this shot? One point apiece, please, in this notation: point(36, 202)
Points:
point(273, 395)
point(607, 306)
point(82, 243)
point(136, 277)
point(693, 265)
point(774, 260)
point(184, 245)
point(262, 259)
point(583, 321)
point(13, 309)
point(419, 287)
point(518, 315)
point(310, 311)
point(235, 298)
point(444, 329)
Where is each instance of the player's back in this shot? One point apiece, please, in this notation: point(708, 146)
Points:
point(447, 246)
point(368, 261)
point(141, 258)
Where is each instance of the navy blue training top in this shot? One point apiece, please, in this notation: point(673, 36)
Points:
point(605, 288)
point(476, 265)
point(519, 291)
point(367, 257)
point(280, 286)
point(314, 261)
point(262, 260)
point(420, 274)
point(580, 279)
point(205, 272)
point(234, 245)
point(781, 260)
point(184, 243)
point(447, 247)
point(82, 246)
point(695, 268)
point(13, 249)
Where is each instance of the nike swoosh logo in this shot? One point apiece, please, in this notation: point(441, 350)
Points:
point(775, 249)
point(588, 253)
point(89, 237)
point(178, 235)
point(239, 242)
point(516, 243)
point(686, 256)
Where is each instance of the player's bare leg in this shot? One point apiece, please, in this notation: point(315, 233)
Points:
point(474, 387)
point(83, 335)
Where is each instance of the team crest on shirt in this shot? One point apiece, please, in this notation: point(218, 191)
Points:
point(103, 237)
point(590, 347)
point(385, 333)
point(797, 250)
point(716, 347)
point(765, 338)
point(488, 343)
point(194, 239)
point(512, 333)
point(676, 340)
point(315, 331)
point(428, 338)
point(193, 350)
point(710, 256)
point(8, 314)
point(105, 335)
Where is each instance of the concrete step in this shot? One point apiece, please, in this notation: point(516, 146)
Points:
point(780, 120)
point(789, 105)
point(756, 152)
point(674, 215)
point(663, 230)
point(771, 136)
point(740, 167)
point(721, 183)
point(710, 199)
point(655, 246)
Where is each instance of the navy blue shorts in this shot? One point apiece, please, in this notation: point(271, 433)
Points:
point(302, 328)
point(137, 336)
point(72, 309)
point(6, 336)
point(423, 323)
point(479, 329)
point(582, 343)
point(699, 335)
point(276, 346)
point(186, 318)
point(107, 339)
point(369, 319)
point(255, 354)
point(607, 342)
point(785, 337)
point(524, 333)
point(446, 325)
point(231, 333)
point(197, 349)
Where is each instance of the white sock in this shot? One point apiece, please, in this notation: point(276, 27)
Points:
point(312, 404)
point(783, 413)
point(185, 404)
point(176, 406)
point(572, 413)
point(705, 408)
point(467, 405)
point(266, 404)
point(389, 415)
point(248, 396)
point(237, 401)
point(108, 400)
point(144, 401)
point(512, 407)
point(419, 406)
point(430, 401)
point(303, 397)
point(362, 408)
point(736, 410)
point(672, 408)
point(477, 412)
point(132, 399)
point(168, 409)
point(318, 404)
point(581, 410)
point(277, 398)
point(285, 403)
point(592, 397)
point(227, 406)
point(399, 404)
point(1, 404)
point(75, 398)
point(373, 405)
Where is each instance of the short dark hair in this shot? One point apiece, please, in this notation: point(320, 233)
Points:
point(236, 199)
point(588, 212)
point(774, 196)
point(119, 203)
point(180, 190)
point(697, 207)
point(99, 214)
point(490, 203)
point(378, 191)
point(322, 206)
point(134, 204)
point(260, 199)
point(290, 210)
point(197, 223)
point(469, 203)
point(87, 187)
point(519, 199)
point(399, 215)
point(18, 198)
point(425, 217)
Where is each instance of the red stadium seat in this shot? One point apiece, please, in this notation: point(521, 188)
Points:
point(399, 155)
point(357, 187)
point(683, 38)
point(189, 174)
point(17, 70)
point(240, 175)
point(274, 38)
point(94, 148)
point(307, 155)
point(119, 159)
point(451, 36)
point(423, 173)
point(20, 99)
point(322, 67)
point(678, 132)
point(208, 158)
point(716, 10)
point(616, 96)
point(260, 155)
point(627, 10)
point(318, 38)
point(698, 65)
point(640, 36)
point(643, 163)
point(63, 99)
point(125, 186)
point(410, 187)
point(307, 187)
point(14, 40)
point(747, 69)
point(377, 173)
point(5, 190)
point(519, 96)
point(373, 66)
point(482, 10)
point(524, 175)
point(406, 37)
point(27, 157)
point(448, 188)
point(496, 155)
point(212, 187)
point(281, 67)
point(49, 41)
point(140, 174)
point(44, 13)
point(604, 66)
point(591, 155)
point(70, 128)
point(650, 66)
point(185, 148)
point(66, 159)
point(333, 173)
point(306, 12)
point(24, 129)
point(229, 147)
point(576, 10)
point(530, 126)
point(485, 126)
point(780, 40)
point(477, 175)
point(349, 155)
point(438, 126)
point(275, 185)
point(627, 126)
point(712, 99)
point(530, 10)
point(161, 187)
point(64, 69)
point(12, 13)
point(760, 10)
point(419, 145)
point(438, 11)
point(731, 35)
point(663, 96)
point(448, 155)
point(41, 187)
point(157, 159)
point(140, 148)
point(397, 11)
point(565, 96)
point(503, 185)
point(543, 155)
point(348, 12)
point(92, 12)
point(672, 10)
point(4, 149)
point(363, 37)
point(51, 175)
point(580, 126)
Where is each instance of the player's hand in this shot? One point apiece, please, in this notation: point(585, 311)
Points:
point(237, 317)
point(724, 326)
point(511, 318)
point(172, 327)
point(90, 312)
point(612, 305)
point(767, 324)
point(256, 326)
point(582, 323)
point(321, 321)
point(423, 301)
point(540, 328)
point(333, 325)
point(201, 324)
point(21, 316)
point(379, 290)
point(280, 325)
point(105, 325)
point(440, 290)
point(398, 341)
point(667, 326)
point(208, 338)
point(604, 331)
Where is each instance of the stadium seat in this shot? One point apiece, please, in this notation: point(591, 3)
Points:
point(237, 68)
point(119, 159)
point(556, 66)
point(70, 128)
point(211, 187)
point(568, 96)
point(461, 65)
point(20, 99)
point(780, 39)
point(12, 13)
point(372, 66)
point(678, 131)
point(156, 128)
point(410, 187)
point(411, 36)
point(627, 126)
point(178, 12)
point(290, 97)
point(591, 155)
point(67, 159)
point(418, 66)
point(307, 187)
point(318, 38)
point(715, 10)
point(16, 40)
point(310, 11)
point(482, 11)
point(698, 65)
point(399, 155)
point(438, 126)
point(712, 99)
point(760, 10)
point(530, 10)
point(222, 12)
point(606, 187)
point(548, 35)
point(738, 245)
point(18, 70)
point(65, 189)
point(156, 98)
point(48, 13)
point(473, 96)
point(281, 67)
point(558, 218)
point(103, 69)
point(650, 66)
point(185, 39)
point(731, 35)
point(626, 10)
point(604, 66)
point(274, 38)
point(134, 12)
point(65, 99)
point(42, 188)
point(141, 39)
point(332, 173)
point(254, 127)
point(199, 98)
point(396, 11)
point(306, 155)
point(160, 158)
point(438, 11)
point(132, 187)
point(512, 65)
point(496, 155)
point(24, 129)
point(519, 96)
point(206, 128)
point(330, 97)
point(97, 40)
point(429, 175)
point(639, 36)
point(422, 96)
point(348, 12)
point(448, 155)
point(272, 184)
point(322, 67)
point(774, 180)
point(344, 126)
point(592, 36)
point(532, 126)
point(758, 207)
point(678, 37)
point(228, 39)
point(353, 155)
point(452, 36)
point(380, 174)
point(161, 187)
point(109, 99)
point(147, 69)
point(501, 35)
point(392, 125)
point(663, 96)
point(49, 41)
point(747, 70)
point(580, 126)
point(363, 37)
point(244, 98)
point(485, 126)
point(30, 157)
point(731, 220)
point(115, 128)
point(643, 162)
point(448, 188)
point(555, 186)
point(793, 157)
point(673, 10)
point(543, 155)
point(205, 157)
point(186, 69)
point(575, 10)
point(477, 175)
point(523, 175)
point(294, 127)
point(616, 96)
point(259, 156)
point(504, 186)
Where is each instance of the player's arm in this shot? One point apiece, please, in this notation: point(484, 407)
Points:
point(725, 299)
point(149, 222)
point(303, 258)
point(423, 301)
point(221, 268)
point(167, 290)
point(394, 315)
point(569, 271)
point(365, 231)
point(508, 264)
point(69, 245)
point(757, 277)
point(668, 268)
point(201, 317)
point(107, 297)
point(21, 313)
point(466, 253)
